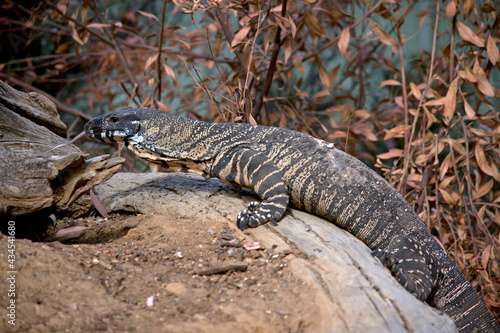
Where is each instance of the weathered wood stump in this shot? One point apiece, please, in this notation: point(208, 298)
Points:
point(32, 177)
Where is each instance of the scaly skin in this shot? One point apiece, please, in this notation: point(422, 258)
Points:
point(284, 166)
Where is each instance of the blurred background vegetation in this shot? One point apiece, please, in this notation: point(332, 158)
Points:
point(411, 88)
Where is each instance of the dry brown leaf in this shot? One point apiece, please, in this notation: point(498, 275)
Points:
point(469, 35)
point(483, 84)
point(322, 93)
point(238, 38)
point(444, 184)
point(323, 75)
point(315, 26)
point(468, 6)
point(333, 74)
point(486, 256)
point(297, 62)
point(391, 154)
point(492, 50)
point(469, 111)
point(344, 41)
point(423, 158)
point(149, 15)
point(415, 91)
point(381, 34)
point(74, 33)
point(150, 60)
point(451, 9)
point(169, 71)
point(251, 120)
point(450, 101)
point(288, 49)
point(482, 162)
point(390, 83)
point(163, 107)
point(293, 27)
point(444, 167)
point(434, 102)
point(482, 191)
point(397, 131)
point(450, 198)
point(98, 25)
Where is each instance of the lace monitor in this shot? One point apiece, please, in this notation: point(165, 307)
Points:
point(281, 165)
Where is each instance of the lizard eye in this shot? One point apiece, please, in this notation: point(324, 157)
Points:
point(113, 119)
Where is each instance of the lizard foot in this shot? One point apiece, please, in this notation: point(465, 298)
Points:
point(252, 217)
point(407, 262)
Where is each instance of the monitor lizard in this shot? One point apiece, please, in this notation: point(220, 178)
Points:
point(284, 166)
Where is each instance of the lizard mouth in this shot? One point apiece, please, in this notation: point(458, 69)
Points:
point(106, 135)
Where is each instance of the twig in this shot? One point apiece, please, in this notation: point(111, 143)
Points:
point(452, 48)
point(436, 186)
point(469, 187)
point(222, 268)
point(335, 40)
point(160, 42)
point(415, 119)
point(407, 143)
point(69, 18)
point(348, 129)
point(464, 201)
point(230, 91)
point(60, 106)
point(272, 64)
point(229, 37)
point(183, 53)
point(140, 91)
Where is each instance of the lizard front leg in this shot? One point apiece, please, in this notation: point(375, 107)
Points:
point(244, 167)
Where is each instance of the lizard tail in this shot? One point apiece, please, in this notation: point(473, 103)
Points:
point(458, 299)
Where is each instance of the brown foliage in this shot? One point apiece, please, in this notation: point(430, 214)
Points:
point(337, 70)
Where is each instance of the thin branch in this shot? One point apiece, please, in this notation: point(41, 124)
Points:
point(335, 40)
point(464, 201)
point(272, 65)
point(407, 143)
point(123, 59)
point(69, 18)
point(469, 187)
point(436, 186)
point(160, 42)
point(228, 33)
point(415, 119)
point(181, 52)
point(452, 48)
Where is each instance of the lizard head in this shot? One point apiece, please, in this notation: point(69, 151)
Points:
point(116, 126)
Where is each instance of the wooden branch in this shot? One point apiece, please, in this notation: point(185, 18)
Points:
point(407, 142)
point(160, 42)
point(272, 64)
point(415, 119)
point(183, 53)
point(69, 18)
point(228, 33)
point(123, 59)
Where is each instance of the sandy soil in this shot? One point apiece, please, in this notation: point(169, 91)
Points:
point(102, 282)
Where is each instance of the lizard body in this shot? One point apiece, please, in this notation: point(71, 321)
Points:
point(284, 166)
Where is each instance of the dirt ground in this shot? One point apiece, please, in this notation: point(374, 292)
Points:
point(102, 282)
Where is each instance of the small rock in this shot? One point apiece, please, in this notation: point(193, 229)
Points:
point(175, 288)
